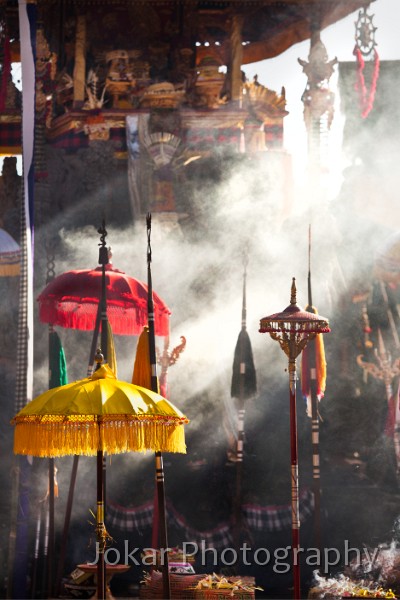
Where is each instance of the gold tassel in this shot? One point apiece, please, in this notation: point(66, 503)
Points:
point(111, 355)
point(320, 363)
point(142, 368)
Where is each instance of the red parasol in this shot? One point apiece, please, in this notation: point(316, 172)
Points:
point(89, 300)
point(71, 300)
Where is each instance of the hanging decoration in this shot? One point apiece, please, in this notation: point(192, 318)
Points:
point(366, 47)
point(317, 98)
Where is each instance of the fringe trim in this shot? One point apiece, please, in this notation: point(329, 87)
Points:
point(52, 439)
point(123, 320)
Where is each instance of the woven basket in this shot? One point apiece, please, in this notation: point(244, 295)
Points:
point(181, 587)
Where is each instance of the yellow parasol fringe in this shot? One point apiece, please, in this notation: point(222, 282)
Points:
point(36, 437)
point(98, 413)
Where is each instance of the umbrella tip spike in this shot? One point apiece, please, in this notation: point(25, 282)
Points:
point(293, 292)
point(103, 251)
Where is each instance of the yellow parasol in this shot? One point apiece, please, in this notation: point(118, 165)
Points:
point(98, 413)
point(95, 415)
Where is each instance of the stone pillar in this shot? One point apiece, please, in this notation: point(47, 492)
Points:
point(80, 61)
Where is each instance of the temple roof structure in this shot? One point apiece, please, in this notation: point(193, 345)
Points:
point(269, 27)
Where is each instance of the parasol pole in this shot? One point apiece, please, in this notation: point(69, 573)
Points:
point(312, 366)
point(158, 455)
point(45, 545)
point(51, 466)
point(36, 555)
point(101, 461)
point(74, 471)
point(294, 466)
point(51, 542)
point(100, 529)
point(103, 261)
point(237, 512)
point(67, 520)
point(101, 319)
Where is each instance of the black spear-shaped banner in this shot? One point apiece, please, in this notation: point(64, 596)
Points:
point(243, 386)
point(158, 455)
point(313, 377)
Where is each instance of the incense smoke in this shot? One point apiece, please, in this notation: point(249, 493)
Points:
point(198, 271)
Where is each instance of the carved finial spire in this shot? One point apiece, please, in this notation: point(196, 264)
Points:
point(103, 252)
point(293, 300)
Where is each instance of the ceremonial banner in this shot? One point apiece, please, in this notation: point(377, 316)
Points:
point(19, 529)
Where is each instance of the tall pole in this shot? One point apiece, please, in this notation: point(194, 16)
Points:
point(74, 469)
point(51, 464)
point(294, 467)
point(160, 486)
point(240, 432)
point(100, 529)
point(101, 319)
point(243, 386)
point(67, 520)
point(101, 462)
point(312, 366)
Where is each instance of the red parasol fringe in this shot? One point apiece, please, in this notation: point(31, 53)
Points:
point(71, 300)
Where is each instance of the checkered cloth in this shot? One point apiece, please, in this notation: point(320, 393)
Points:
point(218, 538)
point(277, 518)
point(135, 519)
point(203, 138)
point(10, 136)
point(258, 518)
point(130, 519)
point(71, 140)
point(74, 140)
